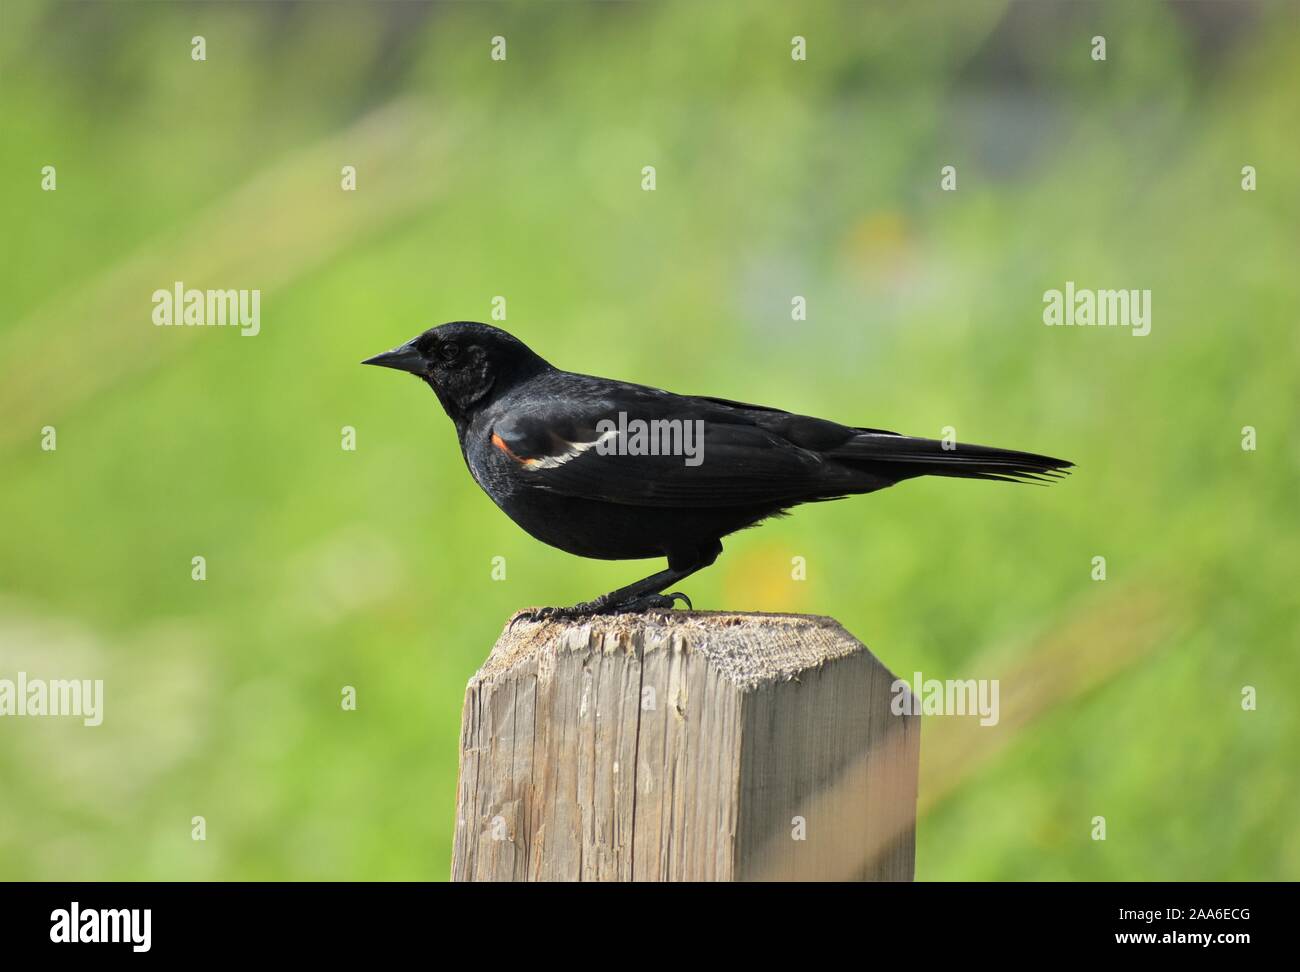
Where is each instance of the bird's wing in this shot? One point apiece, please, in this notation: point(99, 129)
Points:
point(766, 416)
point(642, 447)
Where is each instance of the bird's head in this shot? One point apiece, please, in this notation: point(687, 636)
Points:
point(464, 362)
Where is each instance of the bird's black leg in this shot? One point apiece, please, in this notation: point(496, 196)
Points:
point(634, 598)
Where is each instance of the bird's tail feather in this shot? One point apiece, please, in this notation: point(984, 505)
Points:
point(906, 457)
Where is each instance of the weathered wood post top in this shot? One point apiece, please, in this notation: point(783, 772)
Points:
point(685, 746)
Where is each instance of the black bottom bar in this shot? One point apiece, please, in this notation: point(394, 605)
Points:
point(337, 921)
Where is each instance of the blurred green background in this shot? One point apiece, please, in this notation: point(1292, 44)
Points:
point(476, 178)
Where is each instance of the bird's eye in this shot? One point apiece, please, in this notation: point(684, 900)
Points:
point(449, 352)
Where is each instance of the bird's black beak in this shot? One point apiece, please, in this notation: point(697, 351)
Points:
point(403, 358)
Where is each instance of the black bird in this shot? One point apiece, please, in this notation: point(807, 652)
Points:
point(616, 471)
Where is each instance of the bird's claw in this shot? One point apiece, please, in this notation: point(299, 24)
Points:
point(598, 607)
point(537, 615)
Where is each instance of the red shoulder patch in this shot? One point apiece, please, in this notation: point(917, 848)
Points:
point(500, 443)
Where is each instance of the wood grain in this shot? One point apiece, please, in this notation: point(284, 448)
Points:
point(684, 746)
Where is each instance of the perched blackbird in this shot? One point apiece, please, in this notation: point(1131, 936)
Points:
point(617, 471)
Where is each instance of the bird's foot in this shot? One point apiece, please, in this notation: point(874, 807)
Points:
point(603, 606)
point(649, 602)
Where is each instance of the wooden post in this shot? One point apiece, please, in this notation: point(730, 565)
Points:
point(684, 746)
